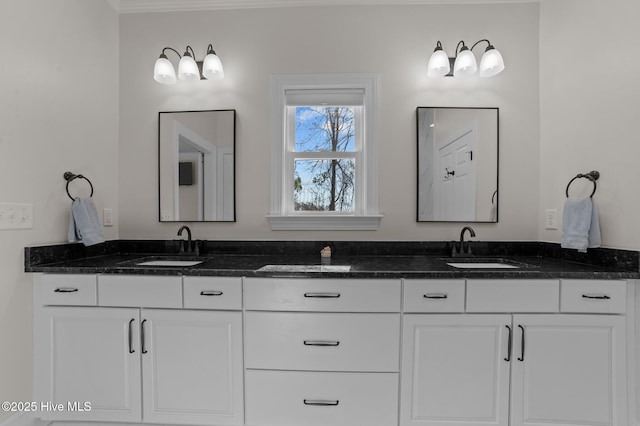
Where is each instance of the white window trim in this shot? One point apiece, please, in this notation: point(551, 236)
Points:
point(368, 218)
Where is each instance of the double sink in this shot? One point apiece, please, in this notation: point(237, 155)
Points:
point(462, 263)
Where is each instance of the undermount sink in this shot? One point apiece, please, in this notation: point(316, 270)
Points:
point(170, 263)
point(486, 263)
point(482, 265)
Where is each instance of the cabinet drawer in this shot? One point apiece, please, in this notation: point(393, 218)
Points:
point(286, 398)
point(63, 289)
point(513, 296)
point(212, 292)
point(434, 296)
point(322, 341)
point(144, 291)
point(593, 296)
point(330, 295)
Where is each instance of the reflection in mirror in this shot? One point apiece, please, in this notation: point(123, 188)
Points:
point(197, 166)
point(457, 164)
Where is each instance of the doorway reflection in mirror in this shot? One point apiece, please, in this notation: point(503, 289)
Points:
point(196, 165)
point(457, 164)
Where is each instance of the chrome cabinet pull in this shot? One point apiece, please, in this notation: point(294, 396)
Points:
point(143, 348)
point(596, 296)
point(65, 290)
point(323, 295)
point(321, 342)
point(435, 296)
point(521, 344)
point(131, 336)
point(509, 344)
point(321, 402)
point(211, 293)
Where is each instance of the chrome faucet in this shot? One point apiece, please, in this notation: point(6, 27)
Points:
point(461, 250)
point(185, 228)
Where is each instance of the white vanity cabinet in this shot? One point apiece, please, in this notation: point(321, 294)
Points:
point(505, 364)
point(453, 370)
point(568, 369)
point(191, 367)
point(90, 355)
point(137, 355)
point(322, 352)
point(234, 351)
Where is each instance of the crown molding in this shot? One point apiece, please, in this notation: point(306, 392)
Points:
point(146, 6)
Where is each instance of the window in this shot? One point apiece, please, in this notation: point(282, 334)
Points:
point(324, 153)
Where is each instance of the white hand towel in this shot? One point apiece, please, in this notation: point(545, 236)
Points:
point(580, 225)
point(84, 223)
point(594, 230)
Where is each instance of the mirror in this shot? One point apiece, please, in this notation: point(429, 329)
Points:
point(197, 166)
point(457, 164)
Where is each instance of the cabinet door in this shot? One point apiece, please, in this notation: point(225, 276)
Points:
point(92, 356)
point(455, 370)
point(192, 367)
point(568, 370)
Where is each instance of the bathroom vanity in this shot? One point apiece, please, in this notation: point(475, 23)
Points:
point(413, 342)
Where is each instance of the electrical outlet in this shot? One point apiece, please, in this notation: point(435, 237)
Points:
point(107, 217)
point(551, 219)
point(16, 216)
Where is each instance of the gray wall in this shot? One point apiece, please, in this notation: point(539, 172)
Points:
point(58, 112)
point(393, 41)
point(589, 87)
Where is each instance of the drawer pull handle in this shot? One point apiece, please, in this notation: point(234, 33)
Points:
point(521, 344)
point(323, 295)
point(596, 296)
point(321, 343)
point(435, 296)
point(131, 336)
point(65, 290)
point(320, 402)
point(143, 349)
point(211, 293)
point(509, 344)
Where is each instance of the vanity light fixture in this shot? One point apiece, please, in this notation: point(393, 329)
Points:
point(188, 69)
point(464, 63)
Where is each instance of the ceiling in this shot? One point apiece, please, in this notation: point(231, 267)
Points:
point(141, 6)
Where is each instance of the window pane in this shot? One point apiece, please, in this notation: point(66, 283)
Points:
point(324, 185)
point(324, 129)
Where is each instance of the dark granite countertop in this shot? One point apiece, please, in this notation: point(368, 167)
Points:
point(365, 260)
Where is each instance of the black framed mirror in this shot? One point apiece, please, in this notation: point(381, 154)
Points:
point(457, 164)
point(196, 166)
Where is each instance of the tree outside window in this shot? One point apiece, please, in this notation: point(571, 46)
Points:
point(325, 158)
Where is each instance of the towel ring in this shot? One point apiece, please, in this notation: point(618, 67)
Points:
point(593, 176)
point(68, 176)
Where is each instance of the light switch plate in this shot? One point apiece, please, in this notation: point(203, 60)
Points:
point(107, 217)
point(16, 216)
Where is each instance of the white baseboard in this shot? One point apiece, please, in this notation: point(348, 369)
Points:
point(22, 419)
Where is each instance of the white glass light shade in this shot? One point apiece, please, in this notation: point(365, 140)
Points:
point(465, 64)
point(212, 67)
point(188, 69)
point(163, 71)
point(491, 63)
point(438, 64)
